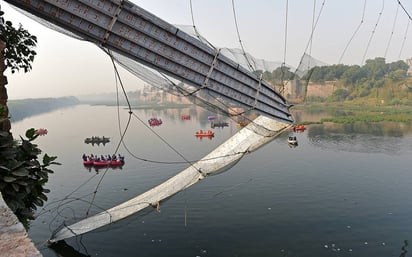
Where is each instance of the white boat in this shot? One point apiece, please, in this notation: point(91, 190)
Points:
point(292, 140)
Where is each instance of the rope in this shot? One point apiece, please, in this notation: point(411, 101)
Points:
point(404, 39)
point(406, 30)
point(354, 33)
point(313, 24)
point(284, 50)
point(195, 29)
point(311, 36)
point(193, 20)
point(117, 76)
point(393, 28)
point(223, 109)
point(238, 35)
point(113, 21)
point(403, 8)
point(373, 31)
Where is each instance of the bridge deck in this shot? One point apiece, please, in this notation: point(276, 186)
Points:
point(129, 30)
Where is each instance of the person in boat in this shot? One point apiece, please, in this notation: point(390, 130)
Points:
point(84, 157)
point(114, 157)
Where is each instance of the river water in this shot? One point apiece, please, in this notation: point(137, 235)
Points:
point(345, 190)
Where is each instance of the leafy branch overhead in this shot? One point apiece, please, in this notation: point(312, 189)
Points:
point(19, 53)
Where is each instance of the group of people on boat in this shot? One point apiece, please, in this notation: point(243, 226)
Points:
point(298, 128)
point(221, 124)
point(155, 122)
point(103, 159)
point(97, 138)
point(205, 133)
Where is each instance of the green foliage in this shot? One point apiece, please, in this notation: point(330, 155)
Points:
point(328, 73)
point(339, 95)
point(19, 53)
point(397, 75)
point(22, 176)
point(350, 114)
point(279, 75)
point(376, 69)
point(376, 82)
point(373, 71)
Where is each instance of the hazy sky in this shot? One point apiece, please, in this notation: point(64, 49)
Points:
point(65, 66)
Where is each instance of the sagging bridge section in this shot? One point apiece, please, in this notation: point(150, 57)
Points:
point(126, 29)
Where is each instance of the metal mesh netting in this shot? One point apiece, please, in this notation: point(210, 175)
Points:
point(170, 85)
point(254, 135)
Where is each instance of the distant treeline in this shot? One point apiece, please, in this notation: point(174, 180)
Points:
point(20, 109)
point(373, 72)
point(388, 82)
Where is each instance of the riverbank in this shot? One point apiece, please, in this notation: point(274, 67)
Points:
point(350, 113)
point(14, 240)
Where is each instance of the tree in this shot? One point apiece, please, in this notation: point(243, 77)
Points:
point(398, 65)
point(18, 53)
point(376, 68)
point(22, 175)
point(339, 95)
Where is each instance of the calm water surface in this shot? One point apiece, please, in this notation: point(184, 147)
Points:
point(344, 191)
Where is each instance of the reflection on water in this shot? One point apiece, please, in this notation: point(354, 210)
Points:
point(62, 249)
point(384, 137)
point(404, 249)
point(344, 191)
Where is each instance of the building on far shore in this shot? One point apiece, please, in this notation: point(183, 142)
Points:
point(409, 62)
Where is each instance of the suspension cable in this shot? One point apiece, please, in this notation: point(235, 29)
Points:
point(393, 28)
point(407, 27)
point(238, 35)
point(373, 31)
point(285, 47)
point(354, 33)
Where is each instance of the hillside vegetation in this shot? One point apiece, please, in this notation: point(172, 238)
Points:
point(377, 91)
point(375, 83)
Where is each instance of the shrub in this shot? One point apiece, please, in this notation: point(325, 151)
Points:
point(22, 176)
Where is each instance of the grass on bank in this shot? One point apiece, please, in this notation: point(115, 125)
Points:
point(347, 113)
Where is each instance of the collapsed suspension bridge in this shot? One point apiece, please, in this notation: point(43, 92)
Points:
point(203, 72)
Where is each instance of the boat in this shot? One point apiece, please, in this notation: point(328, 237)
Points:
point(97, 140)
point(211, 117)
point(258, 133)
point(292, 140)
point(202, 133)
point(299, 128)
point(108, 163)
point(102, 161)
point(221, 124)
point(88, 162)
point(155, 122)
point(185, 117)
